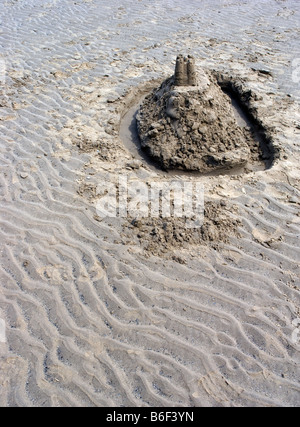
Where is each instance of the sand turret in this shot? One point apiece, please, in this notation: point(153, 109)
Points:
point(185, 73)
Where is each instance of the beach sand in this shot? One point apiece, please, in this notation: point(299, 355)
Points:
point(101, 312)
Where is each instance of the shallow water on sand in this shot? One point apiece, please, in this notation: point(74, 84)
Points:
point(86, 320)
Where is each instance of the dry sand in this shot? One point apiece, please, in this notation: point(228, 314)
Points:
point(107, 313)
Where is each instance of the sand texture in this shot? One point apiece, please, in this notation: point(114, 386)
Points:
point(134, 311)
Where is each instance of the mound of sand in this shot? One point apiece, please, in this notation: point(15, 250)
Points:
point(188, 123)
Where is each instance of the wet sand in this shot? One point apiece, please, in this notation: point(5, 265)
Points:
point(88, 315)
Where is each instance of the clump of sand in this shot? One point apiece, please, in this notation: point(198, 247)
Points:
point(160, 236)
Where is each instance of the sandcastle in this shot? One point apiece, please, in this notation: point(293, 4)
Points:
point(188, 123)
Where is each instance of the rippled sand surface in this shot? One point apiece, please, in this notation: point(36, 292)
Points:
point(87, 317)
